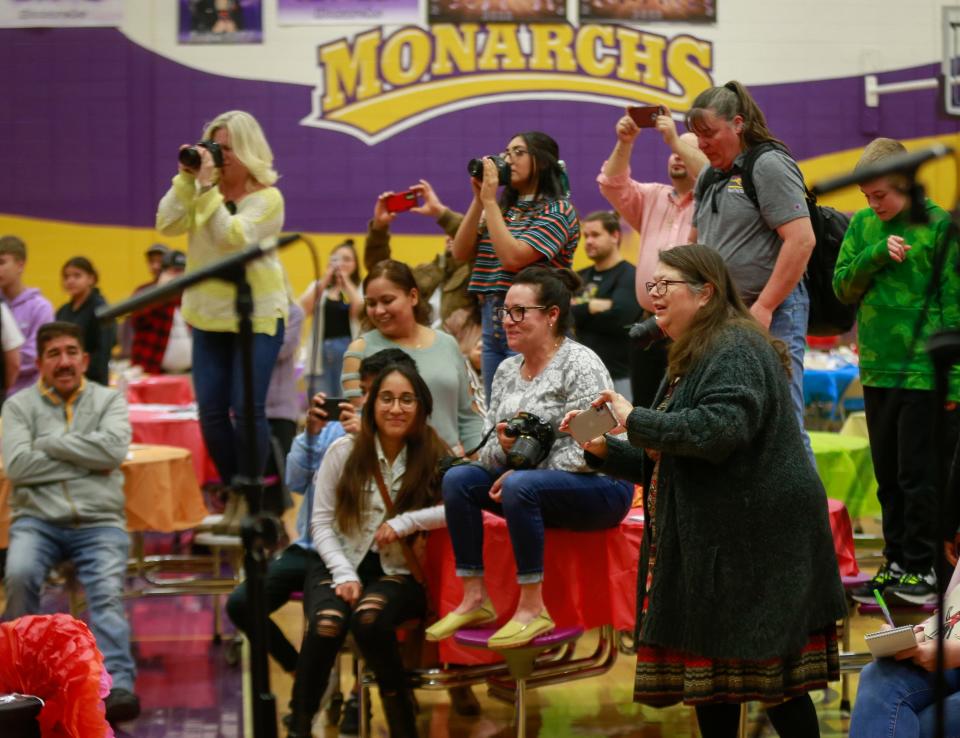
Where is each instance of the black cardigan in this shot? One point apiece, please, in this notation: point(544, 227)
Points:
point(746, 567)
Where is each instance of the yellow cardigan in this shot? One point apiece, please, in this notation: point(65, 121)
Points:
point(213, 234)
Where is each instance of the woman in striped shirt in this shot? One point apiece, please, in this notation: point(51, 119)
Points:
point(534, 221)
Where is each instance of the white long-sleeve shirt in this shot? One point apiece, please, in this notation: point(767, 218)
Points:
point(343, 551)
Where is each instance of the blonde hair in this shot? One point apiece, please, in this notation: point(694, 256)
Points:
point(249, 144)
point(878, 150)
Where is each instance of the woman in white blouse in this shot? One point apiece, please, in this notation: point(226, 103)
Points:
point(363, 578)
point(550, 376)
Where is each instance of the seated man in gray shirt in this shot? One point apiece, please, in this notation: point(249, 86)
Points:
point(64, 439)
point(765, 246)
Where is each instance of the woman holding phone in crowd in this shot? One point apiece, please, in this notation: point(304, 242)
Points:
point(550, 376)
point(737, 601)
point(363, 576)
point(400, 319)
point(533, 221)
point(336, 305)
point(224, 200)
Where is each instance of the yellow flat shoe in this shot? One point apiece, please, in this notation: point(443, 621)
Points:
point(452, 621)
point(516, 635)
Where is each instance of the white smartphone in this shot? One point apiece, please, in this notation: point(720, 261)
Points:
point(592, 422)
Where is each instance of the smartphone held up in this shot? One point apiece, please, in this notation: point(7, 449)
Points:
point(592, 423)
point(645, 116)
point(399, 202)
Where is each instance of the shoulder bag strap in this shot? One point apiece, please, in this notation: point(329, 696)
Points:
point(413, 564)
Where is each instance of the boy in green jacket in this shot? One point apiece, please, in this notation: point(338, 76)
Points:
point(885, 265)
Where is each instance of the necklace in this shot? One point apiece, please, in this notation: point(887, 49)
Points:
point(528, 374)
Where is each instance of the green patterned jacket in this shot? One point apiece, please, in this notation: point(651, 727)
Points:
point(891, 296)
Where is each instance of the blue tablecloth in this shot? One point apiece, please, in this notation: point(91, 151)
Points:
point(828, 385)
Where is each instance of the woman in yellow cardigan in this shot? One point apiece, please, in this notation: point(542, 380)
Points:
point(224, 204)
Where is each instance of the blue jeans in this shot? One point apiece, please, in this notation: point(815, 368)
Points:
point(532, 501)
point(218, 385)
point(895, 700)
point(333, 351)
point(100, 556)
point(789, 324)
point(495, 348)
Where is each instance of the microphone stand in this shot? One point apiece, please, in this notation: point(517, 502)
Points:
point(259, 531)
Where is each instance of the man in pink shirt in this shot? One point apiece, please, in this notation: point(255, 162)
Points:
point(660, 213)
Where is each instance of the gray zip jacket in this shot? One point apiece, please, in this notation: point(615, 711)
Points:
point(63, 457)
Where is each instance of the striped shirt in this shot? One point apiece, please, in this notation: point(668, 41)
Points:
point(551, 227)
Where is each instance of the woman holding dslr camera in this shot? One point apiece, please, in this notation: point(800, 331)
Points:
point(223, 198)
point(523, 474)
point(533, 221)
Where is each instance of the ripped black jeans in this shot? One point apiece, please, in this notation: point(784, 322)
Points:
point(385, 603)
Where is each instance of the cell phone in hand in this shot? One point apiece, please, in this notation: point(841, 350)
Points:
point(401, 201)
point(331, 406)
point(645, 116)
point(592, 422)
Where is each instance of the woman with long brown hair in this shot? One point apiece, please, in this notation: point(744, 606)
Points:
point(361, 578)
point(739, 590)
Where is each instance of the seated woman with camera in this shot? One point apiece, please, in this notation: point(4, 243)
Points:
point(534, 221)
point(365, 577)
point(524, 474)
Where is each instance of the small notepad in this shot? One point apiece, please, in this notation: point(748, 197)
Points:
point(889, 642)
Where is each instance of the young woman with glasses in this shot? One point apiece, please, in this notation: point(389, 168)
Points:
point(360, 579)
point(550, 376)
point(533, 221)
point(400, 319)
point(739, 591)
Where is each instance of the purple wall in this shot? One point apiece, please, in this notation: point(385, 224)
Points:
point(91, 123)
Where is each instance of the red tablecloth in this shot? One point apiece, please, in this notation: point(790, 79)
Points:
point(173, 427)
point(590, 579)
point(163, 389)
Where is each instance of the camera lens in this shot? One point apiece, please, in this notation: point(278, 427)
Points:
point(645, 333)
point(475, 168)
point(190, 157)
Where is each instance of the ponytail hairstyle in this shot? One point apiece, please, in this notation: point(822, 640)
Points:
point(554, 288)
point(728, 102)
point(548, 169)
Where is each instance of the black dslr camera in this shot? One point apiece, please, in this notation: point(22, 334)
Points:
point(646, 333)
point(475, 167)
point(190, 157)
point(534, 441)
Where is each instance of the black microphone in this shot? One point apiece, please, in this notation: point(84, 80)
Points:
point(900, 164)
point(221, 269)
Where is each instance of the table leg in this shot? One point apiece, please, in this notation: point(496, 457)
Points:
point(520, 711)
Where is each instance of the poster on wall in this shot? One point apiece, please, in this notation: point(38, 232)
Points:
point(497, 11)
point(220, 22)
point(60, 13)
point(685, 11)
point(341, 12)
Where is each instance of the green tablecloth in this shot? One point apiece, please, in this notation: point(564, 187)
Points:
point(846, 470)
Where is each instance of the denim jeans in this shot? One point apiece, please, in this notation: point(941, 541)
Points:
point(532, 501)
point(285, 575)
point(789, 324)
point(218, 385)
point(895, 700)
point(100, 556)
point(495, 348)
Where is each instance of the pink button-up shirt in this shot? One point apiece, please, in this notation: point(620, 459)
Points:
point(661, 217)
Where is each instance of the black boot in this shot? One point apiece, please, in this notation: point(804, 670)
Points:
point(400, 714)
point(300, 725)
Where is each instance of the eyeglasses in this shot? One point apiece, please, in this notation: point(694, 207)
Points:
point(518, 312)
point(515, 153)
point(659, 288)
point(406, 400)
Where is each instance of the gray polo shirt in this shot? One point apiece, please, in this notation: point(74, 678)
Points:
point(746, 236)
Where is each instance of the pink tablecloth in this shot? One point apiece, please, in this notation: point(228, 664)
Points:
point(590, 579)
point(163, 389)
point(179, 427)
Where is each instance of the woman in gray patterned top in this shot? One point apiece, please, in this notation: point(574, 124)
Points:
point(550, 376)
